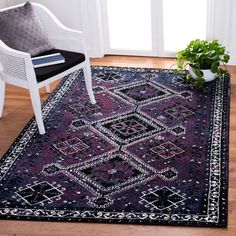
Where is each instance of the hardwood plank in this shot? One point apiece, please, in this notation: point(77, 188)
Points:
point(74, 229)
point(18, 111)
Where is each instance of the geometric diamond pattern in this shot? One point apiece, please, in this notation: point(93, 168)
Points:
point(71, 146)
point(109, 173)
point(143, 92)
point(112, 172)
point(178, 130)
point(130, 127)
point(167, 150)
point(39, 193)
point(86, 108)
point(161, 199)
point(109, 76)
point(75, 124)
point(168, 173)
point(126, 159)
point(186, 94)
point(178, 112)
point(51, 169)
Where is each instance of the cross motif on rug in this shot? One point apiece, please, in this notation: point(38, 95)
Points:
point(39, 193)
point(167, 150)
point(128, 127)
point(161, 198)
point(179, 112)
point(71, 146)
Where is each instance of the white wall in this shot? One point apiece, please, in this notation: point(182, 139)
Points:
point(59, 8)
point(225, 25)
point(3, 3)
point(231, 30)
point(85, 15)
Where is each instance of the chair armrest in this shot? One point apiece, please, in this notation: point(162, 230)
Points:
point(61, 36)
point(70, 40)
point(14, 63)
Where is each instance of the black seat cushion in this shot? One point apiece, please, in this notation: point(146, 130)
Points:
point(71, 59)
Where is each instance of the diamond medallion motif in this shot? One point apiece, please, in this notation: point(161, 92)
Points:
point(130, 127)
point(143, 92)
point(110, 173)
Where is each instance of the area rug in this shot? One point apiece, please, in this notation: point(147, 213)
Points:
point(153, 150)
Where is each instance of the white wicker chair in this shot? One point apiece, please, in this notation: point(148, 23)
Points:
point(16, 66)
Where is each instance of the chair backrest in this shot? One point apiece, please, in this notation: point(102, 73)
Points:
point(56, 31)
point(47, 18)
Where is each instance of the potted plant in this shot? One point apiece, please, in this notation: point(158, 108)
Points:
point(203, 59)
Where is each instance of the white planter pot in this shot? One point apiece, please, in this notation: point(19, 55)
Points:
point(207, 74)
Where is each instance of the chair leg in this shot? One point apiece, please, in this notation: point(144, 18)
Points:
point(47, 87)
point(2, 96)
point(88, 82)
point(36, 103)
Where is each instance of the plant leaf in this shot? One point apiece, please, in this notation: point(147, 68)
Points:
point(214, 67)
point(226, 58)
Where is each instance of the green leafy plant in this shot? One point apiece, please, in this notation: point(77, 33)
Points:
point(200, 55)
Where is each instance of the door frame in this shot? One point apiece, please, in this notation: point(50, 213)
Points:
point(156, 29)
point(209, 27)
point(106, 41)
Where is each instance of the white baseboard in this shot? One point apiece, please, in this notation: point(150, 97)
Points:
point(95, 54)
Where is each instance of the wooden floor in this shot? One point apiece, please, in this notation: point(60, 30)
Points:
point(18, 111)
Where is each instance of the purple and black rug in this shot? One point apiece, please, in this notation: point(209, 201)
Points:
point(151, 151)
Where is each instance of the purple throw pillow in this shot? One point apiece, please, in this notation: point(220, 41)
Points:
point(21, 29)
